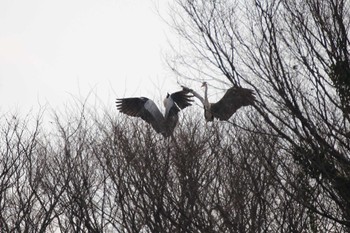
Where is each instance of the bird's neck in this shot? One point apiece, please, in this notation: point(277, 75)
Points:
point(168, 104)
point(206, 101)
point(207, 111)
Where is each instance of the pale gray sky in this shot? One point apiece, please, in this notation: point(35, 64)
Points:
point(52, 51)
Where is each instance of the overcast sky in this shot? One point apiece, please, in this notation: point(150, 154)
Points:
point(54, 51)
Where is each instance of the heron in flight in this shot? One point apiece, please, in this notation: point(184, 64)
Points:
point(234, 98)
point(147, 110)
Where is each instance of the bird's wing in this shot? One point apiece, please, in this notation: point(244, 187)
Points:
point(144, 108)
point(178, 100)
point(182, 98)
point(194, 93)
point(234, 98)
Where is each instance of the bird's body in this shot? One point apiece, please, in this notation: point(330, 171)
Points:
point(147, 110)
point(234, 98)
point(208, 115)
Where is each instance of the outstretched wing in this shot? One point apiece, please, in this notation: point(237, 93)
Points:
point(144, 108)
point(195, 94)
point(234, 98)
point(182, 98)
point(173, 104)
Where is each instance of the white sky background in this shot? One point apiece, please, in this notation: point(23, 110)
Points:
point(52, 52)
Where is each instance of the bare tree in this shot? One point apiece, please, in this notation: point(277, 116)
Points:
point(24, 205)
point(281, 166)
point(207, 180)
point(295, 55)
point(99, 173)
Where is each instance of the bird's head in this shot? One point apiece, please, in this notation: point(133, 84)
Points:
point(167, 101)
point(204, 84)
